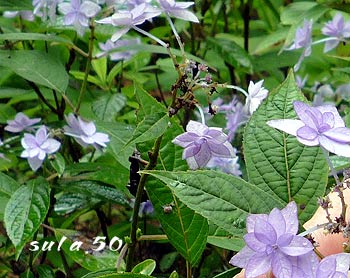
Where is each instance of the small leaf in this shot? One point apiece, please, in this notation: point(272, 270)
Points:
point(39, 67)
point(58, 163)
point(276, 162)
point(107, 106)
point(223, 199)
point(150, 128)
point(146, 267)
point(25, 211)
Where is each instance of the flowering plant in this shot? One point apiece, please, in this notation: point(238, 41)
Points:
point(149, 138)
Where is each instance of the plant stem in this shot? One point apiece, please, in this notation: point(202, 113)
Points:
point(87, 68)
point(153, 157)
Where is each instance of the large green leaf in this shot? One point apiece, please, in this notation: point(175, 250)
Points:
point(36, 66)
point(223, 199)
point(186, 230)
point(15, 5)
point(26, 210)
point(276, 162)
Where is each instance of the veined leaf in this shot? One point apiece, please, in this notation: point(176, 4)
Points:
point(25, 211)
point(7, 187)
point(146, 267)
point(276, 162)
point(223, 199)
point(39, 67)
point(107, 106)
point(186, 230)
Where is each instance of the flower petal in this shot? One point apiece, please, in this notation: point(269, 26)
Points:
point(242, 257)
point(257, 265)
point(290, 214)
point(307, 133)
point(298, 246)
point(332, 146)
point(264, 232)
point(287, 125)
point(339, 134)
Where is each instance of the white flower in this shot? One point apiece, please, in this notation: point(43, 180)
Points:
point(256, 94)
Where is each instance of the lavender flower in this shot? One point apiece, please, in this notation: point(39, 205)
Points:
point(302, 40)
point(321, 125)
point(110, 48)
point(85, 132)
point(323, 92)
point(78, 13)
point(20, 123)
point(300, 81)
point(178, 10)
point(256, 94)
point(46, 9)
point(271, 242)
point(337, 30)
point(129, 19)
point(37, 147)
point(146, 208)
point(235, 118)
point(226, 165)
point(27, 15)
point(201, 143)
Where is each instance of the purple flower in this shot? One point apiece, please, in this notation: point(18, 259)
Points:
point(300, 81)
point(46, 8)
point(321, 125)
point(256, 94)
point(20, 123)
point(37, 147)
point(146, 208)
point(226, 165)
point(337, 29)
point(235, 118)
point(78, 13)
point(333, 266)
point(111, 48)
point(178, 9)
point(201, 143)
point(27, 15)
point(128, 19)
point(302, 40)
point(85, 132)
point(271, 242)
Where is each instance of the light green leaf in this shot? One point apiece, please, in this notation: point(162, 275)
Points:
point(276, 162)
point(100, 67)
point(146, 267)
point(223, 199)
point(340, 162)
point(6, 113)
point(25, 211)
point(150, 128)
point(106, 107)
point(34, 37)
point(119, 134)
point(36, 66)
point(15, 5)
point(7, 187)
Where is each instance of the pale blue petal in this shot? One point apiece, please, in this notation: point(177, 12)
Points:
point(298, 246)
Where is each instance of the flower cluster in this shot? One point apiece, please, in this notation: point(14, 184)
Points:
point(272, 244)
point(39, 145)
point(335, 30)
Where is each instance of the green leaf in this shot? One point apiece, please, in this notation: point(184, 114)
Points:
point(25, 211)
point(276, 162)
point(186, 230)
point(150, 128)
point(34, 37)
point(81, 251)
point(36, 66)
point(58, 163)
point(100, 67)
point(69, 202)
point(223, 239)
point(107, 106)
point(223, 199)
point(233, 53)
point(15, 5)
point(146, 267)
point(340, 162)
point(119, 135)
point(7, 187)
point(6, 113)
point(120, 275)
point(97, 190)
